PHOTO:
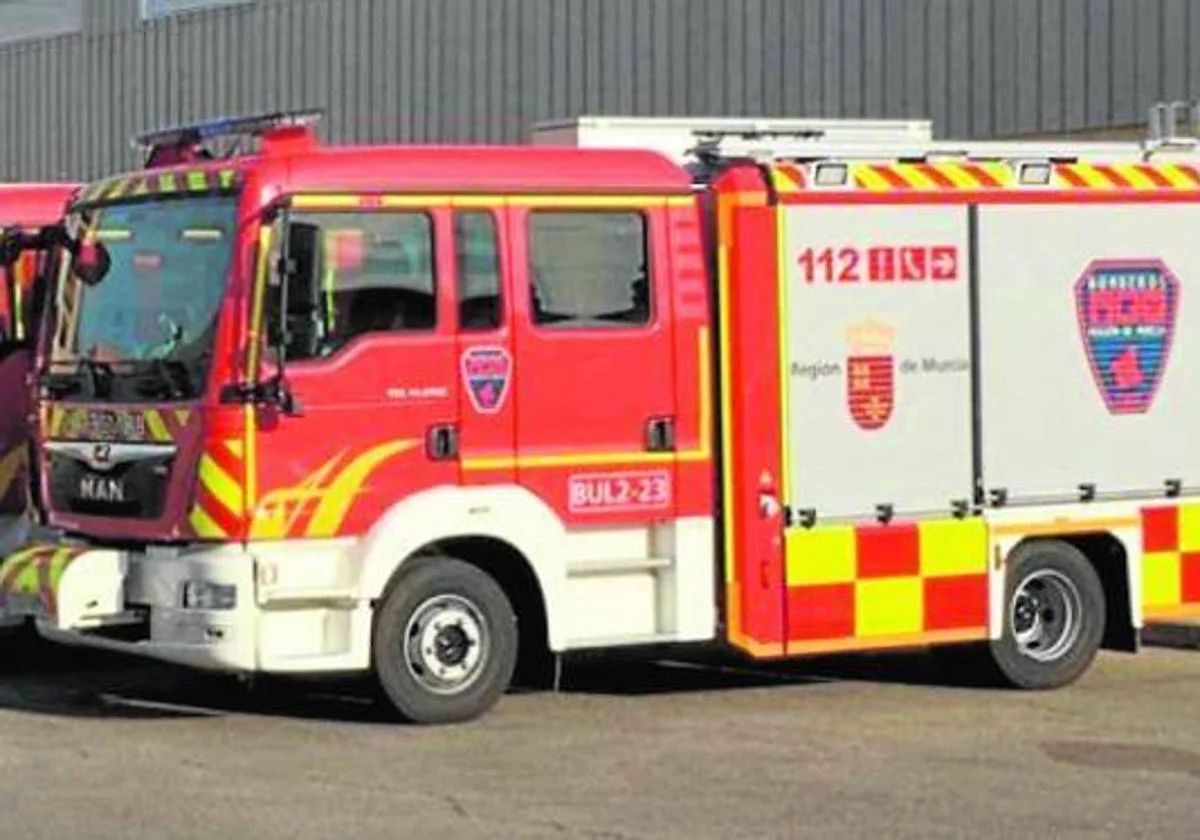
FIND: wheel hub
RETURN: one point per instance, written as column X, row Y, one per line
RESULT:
column 1046, row 615
column 446, row 644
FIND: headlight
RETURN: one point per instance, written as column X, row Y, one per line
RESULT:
column 203, row 595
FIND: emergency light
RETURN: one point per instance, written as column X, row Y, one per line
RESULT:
column 185, row 143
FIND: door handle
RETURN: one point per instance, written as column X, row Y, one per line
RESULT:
column 660, row 434
column 441, row 442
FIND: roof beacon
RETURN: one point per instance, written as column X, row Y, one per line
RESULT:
column 190, row 143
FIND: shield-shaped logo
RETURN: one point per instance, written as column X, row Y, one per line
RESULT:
column 486, row 373
column 1126, row 311
column 870, row 373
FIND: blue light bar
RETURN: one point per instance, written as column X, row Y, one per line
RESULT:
column 160, row 143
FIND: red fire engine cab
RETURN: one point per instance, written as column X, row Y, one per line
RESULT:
column 24, row 208
column 415, row 409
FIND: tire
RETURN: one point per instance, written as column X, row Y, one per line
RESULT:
column 444, row 643
column 1054, row 615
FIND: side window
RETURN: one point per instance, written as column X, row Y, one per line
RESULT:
column 589, row 269
column 353, row 274
column 477, row 258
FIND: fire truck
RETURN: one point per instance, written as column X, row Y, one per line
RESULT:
column 24, row 208
column 807, row 387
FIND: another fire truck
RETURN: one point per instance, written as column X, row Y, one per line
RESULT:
column 25, row 208
column 834, row 387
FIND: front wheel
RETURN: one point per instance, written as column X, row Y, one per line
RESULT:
column 445, row 642
column 1054, row 616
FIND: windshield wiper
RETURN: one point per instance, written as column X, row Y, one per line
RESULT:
column 97, row 372
column 59, row 385
column 171, row 379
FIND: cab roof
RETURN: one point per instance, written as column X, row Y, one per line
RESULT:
column 479, row 169
column 33, row 204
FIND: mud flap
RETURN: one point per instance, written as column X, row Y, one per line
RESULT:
column 64, row 587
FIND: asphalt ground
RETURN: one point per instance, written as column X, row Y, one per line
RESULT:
column 644, row 746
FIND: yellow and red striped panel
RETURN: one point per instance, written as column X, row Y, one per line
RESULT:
column 219, row 508
column 1127, row 176
column 788, row 178
column 35, row 573
column 1171, row 561
column 939, row 176
column 881, row 585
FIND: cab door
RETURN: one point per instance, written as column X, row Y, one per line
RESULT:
column 367, row 305
column 486, row 363
column 594, row 342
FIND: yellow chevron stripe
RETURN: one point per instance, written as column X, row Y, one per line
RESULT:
column 867, row 178
column 912, row 175
column 1173, row 173
column 203, row 524
column 224, row 487
column 157, row 427
column 1000, row 171
column 236, row 447
column 1135, row 175
column 784, row 181
column 961, row 178
column 1088, row 174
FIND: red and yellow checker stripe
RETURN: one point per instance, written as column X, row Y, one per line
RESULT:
column 1171, row 561
column 866, row 586
column 34, row 573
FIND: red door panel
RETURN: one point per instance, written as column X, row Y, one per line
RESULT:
column 364, row 437
column 587, row 394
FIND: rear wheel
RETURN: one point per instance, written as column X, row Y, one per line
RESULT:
column 1054, row 616
column 445, row 642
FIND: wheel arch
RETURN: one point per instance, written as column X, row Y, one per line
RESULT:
column 503, row 530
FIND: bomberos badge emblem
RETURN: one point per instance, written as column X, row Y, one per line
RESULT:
column 870, row 373
column 1126, row 311
column 487, row 372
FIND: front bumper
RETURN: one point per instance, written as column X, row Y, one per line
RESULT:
column 132, row 601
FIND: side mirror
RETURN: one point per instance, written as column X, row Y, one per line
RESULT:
column 91, row 261
column 10, row 248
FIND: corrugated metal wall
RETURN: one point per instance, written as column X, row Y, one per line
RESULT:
column 473, row 70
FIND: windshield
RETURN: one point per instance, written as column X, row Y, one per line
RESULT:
column 154, row 313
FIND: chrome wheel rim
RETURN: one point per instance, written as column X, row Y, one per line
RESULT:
column 1045, row 615
column 446, row 644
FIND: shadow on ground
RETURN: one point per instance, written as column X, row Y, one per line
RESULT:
column 42, row 678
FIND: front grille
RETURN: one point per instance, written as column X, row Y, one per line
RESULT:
column 132, row 490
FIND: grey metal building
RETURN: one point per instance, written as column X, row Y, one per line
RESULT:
column 485, row 70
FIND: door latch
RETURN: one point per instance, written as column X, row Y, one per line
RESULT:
column 660, row 434
column 441, row 442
